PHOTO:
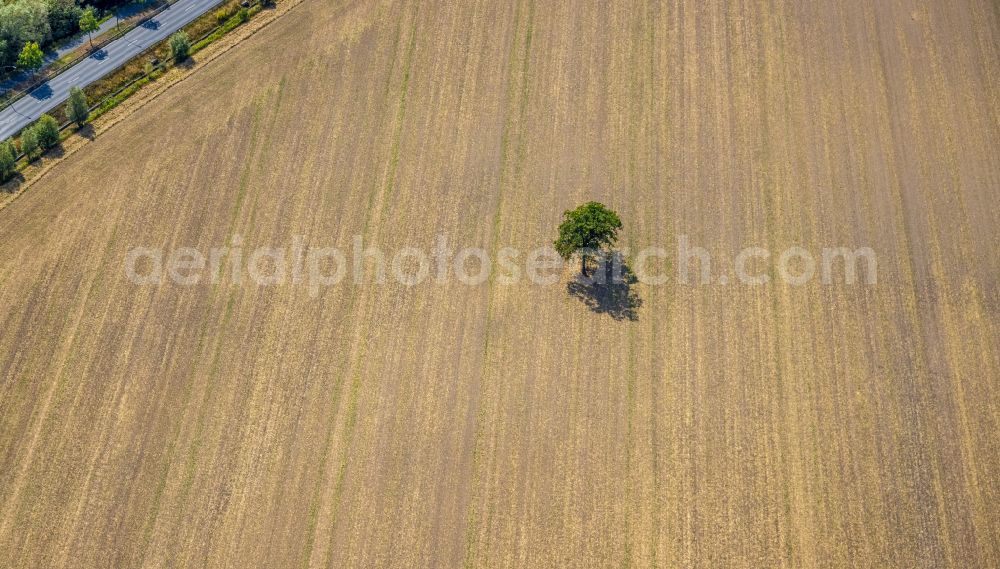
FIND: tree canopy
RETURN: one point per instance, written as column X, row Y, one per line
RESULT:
column 180, row 46
column 8, row 160
column 31, row 56
column 587, row 229
column 23, row 21
column 88, row 24
column 29, row 142
column 40, row 21
column 77, row 109
column 47, row 129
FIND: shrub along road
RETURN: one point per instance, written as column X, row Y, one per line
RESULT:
column 109, row 58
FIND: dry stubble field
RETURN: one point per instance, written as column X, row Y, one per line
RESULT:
column 509, row 425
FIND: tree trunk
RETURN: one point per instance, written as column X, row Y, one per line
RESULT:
column 583, row 264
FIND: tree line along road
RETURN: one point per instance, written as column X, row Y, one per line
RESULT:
column 55, row 91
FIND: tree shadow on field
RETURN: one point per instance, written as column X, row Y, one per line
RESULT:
column 12, row 185
column 87, row 131
column 608, row 289
column 55, row 152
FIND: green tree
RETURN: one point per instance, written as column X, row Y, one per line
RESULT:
column 180, row 46
column 64, row 17
column 586, row 230
column 8, row 160
column 20, row 22
column 47, row 131
column 88, row 24
column 31, row 57
column 29, row 142
column 77, row 109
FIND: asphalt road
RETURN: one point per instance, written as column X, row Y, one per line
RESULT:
column 112, row 56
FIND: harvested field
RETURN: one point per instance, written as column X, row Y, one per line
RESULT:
column 447, row 425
